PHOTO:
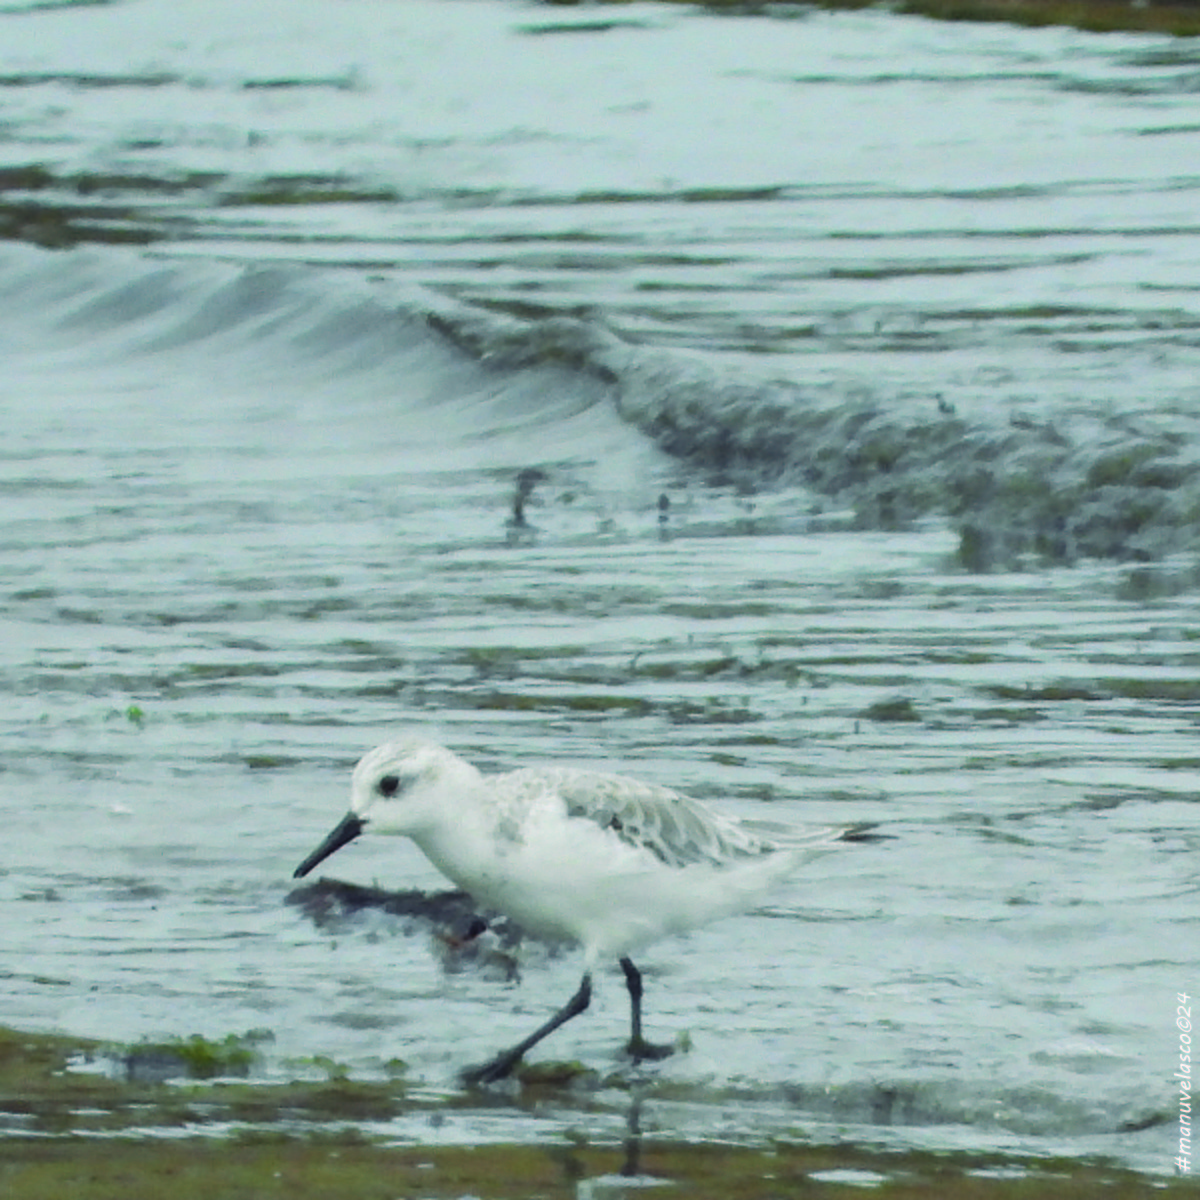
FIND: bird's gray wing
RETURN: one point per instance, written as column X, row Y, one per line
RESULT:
column 674, row 828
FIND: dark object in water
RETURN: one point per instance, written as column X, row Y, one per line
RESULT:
column 451, row 913
column 527, row 480
column 464, row 936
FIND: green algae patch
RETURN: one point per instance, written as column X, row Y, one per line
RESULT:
column 581, row 703
column 896, row 708
column 50, row 1084
column 29, row 1057
column 1172, row 691
column 37, row 1091
column 307, row 189
column 150, row 1170
column 1176, row 17
column 120, row 1140
column 551, row 1073
column 328, row 1167
column 197, row 1057
column 335, row 1100
column 61, row 226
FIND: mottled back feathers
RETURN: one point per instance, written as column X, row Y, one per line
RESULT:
column 675, row 829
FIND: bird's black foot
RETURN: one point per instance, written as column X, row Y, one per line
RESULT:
column 492, row 1071
column 641, row 1050
column 503, row 1065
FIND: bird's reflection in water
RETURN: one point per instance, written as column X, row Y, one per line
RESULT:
column 633, row 1137
column 628, row 1182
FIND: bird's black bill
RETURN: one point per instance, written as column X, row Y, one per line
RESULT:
column 350, row 826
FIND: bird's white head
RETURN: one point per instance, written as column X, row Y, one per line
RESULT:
column 400, row 787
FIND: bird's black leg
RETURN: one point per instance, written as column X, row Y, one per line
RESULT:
column 502, row 1065
column 638, row 1047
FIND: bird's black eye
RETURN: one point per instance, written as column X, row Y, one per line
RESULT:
column 389, row 785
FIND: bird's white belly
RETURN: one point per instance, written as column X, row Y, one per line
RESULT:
column 606, row 903
column 572, row 881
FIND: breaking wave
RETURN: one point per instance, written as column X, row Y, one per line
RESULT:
column 1055, row 487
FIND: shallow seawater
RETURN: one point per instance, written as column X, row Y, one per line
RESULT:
column 258, row 480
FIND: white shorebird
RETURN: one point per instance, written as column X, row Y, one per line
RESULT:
column 604, row 861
